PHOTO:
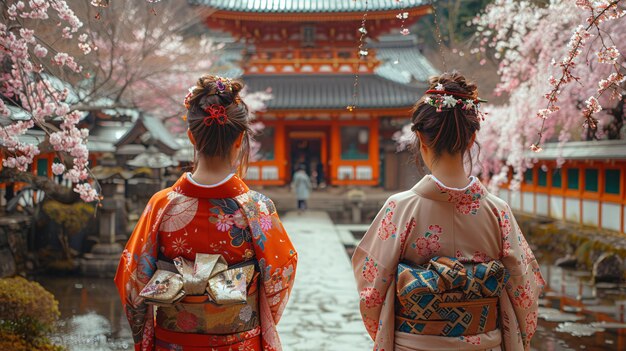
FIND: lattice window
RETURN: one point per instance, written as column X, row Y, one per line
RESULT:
column 308, row 36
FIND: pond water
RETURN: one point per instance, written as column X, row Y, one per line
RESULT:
column 578, row 315
column 575, row 315
column 92, row 318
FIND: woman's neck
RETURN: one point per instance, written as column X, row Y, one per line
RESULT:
column 450, row 171
column 211, row 170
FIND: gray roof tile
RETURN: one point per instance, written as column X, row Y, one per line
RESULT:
column 582, row 150
column 326, row 91
column 305, row 6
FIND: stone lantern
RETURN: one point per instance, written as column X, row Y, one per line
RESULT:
column 105, row 254
column 154, row 159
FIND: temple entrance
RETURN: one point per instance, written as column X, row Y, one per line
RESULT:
column 309, row 148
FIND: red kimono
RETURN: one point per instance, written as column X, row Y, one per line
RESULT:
column 227, row 219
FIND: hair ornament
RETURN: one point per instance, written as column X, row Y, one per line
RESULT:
column 223, row 84
column 442, row 99
column 215, row 114
column 187, row 101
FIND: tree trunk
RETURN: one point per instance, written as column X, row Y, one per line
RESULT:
column 53, row 190
column 614, row 128
column 65, row 245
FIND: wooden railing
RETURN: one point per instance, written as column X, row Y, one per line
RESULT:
column 297, row 58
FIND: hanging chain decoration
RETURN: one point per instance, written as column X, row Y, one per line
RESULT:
column 106, row 3
column 362, row 55
column 99, row 4
column 402, row 16
column 438, row 34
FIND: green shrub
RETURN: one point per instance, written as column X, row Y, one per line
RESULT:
column 27, row 313
column 14, row 342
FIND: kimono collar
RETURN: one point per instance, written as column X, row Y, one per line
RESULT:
column 431, row 188
column 230, row 188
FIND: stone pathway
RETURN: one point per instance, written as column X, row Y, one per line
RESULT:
column 323, row 312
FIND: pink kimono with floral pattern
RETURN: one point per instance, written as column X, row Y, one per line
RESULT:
column 433, row 220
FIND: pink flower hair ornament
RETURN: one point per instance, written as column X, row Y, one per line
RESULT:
column 442, row 99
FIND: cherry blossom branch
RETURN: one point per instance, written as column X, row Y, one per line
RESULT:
column 567, row 64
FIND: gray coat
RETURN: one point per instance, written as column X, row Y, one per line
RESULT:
column 301, row 184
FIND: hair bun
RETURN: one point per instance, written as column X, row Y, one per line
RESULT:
column 210, row 85
column 237, row 86
column 454, row 82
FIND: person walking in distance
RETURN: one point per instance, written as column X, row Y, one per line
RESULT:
column 301, row 184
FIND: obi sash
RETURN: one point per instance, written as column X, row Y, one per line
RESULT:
column 215, row 312
column 448, row 298
column 200, row 315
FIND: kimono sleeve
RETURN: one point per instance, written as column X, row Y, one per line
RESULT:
column 134, row 271
column 375, row 261
column 525, row 284
column 275, row 253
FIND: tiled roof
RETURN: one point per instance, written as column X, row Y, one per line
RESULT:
column 157, row 131
column 325, row 91
column 306, row 6
column 582, row 150
column 402, row 60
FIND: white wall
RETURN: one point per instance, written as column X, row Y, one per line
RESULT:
column 556, row 207
column 542, row 204
column 590, row 212
column 572, row 210
column 611, row 216
column 516, row 200
column 528, row 203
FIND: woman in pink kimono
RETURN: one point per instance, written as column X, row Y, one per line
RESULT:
column 450, row 221
column 209, row 212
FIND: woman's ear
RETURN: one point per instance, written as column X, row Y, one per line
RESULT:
column 191, row 138
column 423, row 146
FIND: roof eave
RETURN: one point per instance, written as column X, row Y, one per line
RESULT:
column 416, row 11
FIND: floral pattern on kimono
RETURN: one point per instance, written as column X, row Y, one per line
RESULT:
column 466, row 201
column 470, row 224
column 428, row 245
column 227, row 219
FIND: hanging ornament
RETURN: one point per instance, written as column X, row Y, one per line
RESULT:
column 362, row 53
column 100, row 3
column 402, row 16
column 438, row 34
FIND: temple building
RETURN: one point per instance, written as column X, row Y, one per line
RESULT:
column 306, row 52
column 588, row 189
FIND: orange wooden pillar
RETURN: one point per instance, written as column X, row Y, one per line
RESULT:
column 374, row 150
column 335, row 150
column 280, row 152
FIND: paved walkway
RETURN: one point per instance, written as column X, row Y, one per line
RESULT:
column 323, row 312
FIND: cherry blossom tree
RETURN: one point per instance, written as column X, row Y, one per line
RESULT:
column 561, row 67
column 25, row 87
column 561, row 71
column 64, row 58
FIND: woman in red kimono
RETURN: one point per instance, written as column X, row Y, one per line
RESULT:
column 210, row 211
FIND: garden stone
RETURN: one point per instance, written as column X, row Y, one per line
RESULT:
column 608, row 268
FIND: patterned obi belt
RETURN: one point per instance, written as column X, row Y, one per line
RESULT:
column 448, row 298
column 205, row 296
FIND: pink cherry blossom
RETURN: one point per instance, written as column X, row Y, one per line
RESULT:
column 58, row 168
